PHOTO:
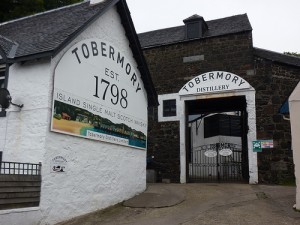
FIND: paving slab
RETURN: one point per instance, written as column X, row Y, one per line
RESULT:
column 157, row 196
column 197, row 204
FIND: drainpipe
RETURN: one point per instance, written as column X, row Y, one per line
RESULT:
column 285, row 118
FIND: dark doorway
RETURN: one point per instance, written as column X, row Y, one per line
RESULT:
column 217, row 149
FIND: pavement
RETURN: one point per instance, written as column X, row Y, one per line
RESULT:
column 197, row 204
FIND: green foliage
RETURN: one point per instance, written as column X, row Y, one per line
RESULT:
column 57, row 116
column 13, row 9
column 292, row 53
column 288, row 182
column 52, row 4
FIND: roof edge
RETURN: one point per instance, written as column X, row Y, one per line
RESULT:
column 195, row 39
column 244, row 14
column 277, row 57
column 137, row 52
column 40, row 13
column 82, row 28
column 69, row 39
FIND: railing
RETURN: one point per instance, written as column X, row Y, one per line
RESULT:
column 16, row 168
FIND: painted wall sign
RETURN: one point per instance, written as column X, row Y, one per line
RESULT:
column 216, row 81
column 58, row 164
column 267, row 144
column 225, row 152
column 98, row 94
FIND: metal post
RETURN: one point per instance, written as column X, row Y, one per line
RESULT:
column 218, row 171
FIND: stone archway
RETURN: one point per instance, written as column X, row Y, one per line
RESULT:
column 218, row 84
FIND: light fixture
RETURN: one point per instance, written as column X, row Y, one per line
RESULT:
column 5, row 101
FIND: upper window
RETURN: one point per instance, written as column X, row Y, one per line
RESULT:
column 2, row 76
column 169, row 108
column 193, row 30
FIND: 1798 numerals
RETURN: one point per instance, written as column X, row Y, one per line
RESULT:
column 117, row 95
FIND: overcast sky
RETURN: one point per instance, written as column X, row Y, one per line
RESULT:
column 275, row 23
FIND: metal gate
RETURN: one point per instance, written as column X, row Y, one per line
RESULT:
column 219, row 162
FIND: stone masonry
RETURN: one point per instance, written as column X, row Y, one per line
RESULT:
column 234, row 53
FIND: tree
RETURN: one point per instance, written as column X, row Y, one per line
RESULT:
column 13, row 9
column 53, row 4
column 292, row 53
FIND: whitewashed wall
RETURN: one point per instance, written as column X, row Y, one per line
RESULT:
column 98, row 174
column 25, row 130
column 294, row 107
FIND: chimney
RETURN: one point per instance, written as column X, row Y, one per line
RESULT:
column 195, row 27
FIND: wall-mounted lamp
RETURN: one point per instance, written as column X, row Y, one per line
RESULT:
column 5, row 101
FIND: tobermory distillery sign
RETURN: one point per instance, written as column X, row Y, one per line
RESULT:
column 98, row 94
column 216, row 81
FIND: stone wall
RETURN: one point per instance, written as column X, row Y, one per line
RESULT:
column 232, row 53
column 272, row 81
column 163, row 145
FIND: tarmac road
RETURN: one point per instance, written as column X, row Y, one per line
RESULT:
column 197, row 204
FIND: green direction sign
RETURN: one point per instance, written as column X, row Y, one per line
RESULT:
column 256, row 146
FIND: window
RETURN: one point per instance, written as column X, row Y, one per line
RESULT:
column 169, row 108
column 193, row 30
column 2, row 76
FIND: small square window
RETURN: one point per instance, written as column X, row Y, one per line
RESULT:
column 193, row 30
column 169, row 108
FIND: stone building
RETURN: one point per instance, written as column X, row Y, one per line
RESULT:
column 74, row 94
column 199, row 70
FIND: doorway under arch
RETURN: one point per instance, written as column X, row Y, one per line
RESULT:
column 230, row 159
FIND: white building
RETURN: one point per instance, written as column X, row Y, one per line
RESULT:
column 294, row 109
column 85, row 88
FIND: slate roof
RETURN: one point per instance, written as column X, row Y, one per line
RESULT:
column 277, row 57
column 45, row 34
column 218, row 27
column 8, row 46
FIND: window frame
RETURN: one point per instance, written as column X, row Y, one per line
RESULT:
column 168, row 108
column 161, row 99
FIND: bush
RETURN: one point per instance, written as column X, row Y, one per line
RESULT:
column 57, row 116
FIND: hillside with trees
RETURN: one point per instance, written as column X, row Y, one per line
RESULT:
column 13, row 9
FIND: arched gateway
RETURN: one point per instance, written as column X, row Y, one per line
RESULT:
column 217, row 126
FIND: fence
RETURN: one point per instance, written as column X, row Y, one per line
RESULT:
column 20, row 185
column 16, row 168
